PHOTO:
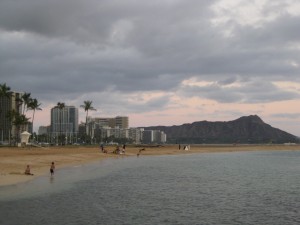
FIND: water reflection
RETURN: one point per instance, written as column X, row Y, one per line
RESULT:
column 225, row 188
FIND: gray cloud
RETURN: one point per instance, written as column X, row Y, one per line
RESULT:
column 108, row 51
column 248, row 91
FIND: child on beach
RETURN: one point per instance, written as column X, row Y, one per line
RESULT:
column 27, row 171
column 52, row 168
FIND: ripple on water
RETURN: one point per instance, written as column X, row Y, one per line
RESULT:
column 220, row 188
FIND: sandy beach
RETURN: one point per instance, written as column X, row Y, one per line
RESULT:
column 14, row 160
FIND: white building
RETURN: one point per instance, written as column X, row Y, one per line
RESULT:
column 136, row 134
column 154, row 136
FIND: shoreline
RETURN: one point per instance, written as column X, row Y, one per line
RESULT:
column 14, row 160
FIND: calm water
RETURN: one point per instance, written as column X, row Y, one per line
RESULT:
column 220, row 188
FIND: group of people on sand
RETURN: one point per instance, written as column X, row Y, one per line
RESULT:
column 120, row 151
column 28, row 172
column 185, row 147
column 116, row 151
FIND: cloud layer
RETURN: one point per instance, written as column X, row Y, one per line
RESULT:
column 134, row 57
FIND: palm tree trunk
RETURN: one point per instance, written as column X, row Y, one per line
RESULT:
column 86, row 117
column 32, row 123
column 60, row 124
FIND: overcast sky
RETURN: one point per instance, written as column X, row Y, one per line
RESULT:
column 160, row 62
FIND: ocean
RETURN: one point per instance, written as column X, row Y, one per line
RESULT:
column 213, row 188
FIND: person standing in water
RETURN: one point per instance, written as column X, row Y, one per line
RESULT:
column 52, row 168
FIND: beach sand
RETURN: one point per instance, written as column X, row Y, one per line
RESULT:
column 13, row 160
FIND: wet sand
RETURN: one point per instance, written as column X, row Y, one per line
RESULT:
column 13, row 160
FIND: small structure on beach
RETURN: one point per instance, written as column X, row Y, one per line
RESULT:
column 24, row 138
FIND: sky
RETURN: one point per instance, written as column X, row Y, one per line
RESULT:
column 159, row 62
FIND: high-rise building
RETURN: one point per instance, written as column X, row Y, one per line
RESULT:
column 64, row 121
column 8, row 104
column 135, row 134
column 148, row 136
column 154, row 136
column 121, row 122
column 102, row 122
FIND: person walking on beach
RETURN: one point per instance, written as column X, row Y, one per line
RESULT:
column 52, row 168
column 140, row 151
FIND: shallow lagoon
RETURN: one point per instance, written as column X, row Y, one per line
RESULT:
column 214, row 188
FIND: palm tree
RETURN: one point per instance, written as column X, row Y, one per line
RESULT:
column 87, row 105
column 60, row 106
column 19, row 121
column 4, row 90
column 25, row 100
column 34, row 105
column 10, row 116
column 4, row 93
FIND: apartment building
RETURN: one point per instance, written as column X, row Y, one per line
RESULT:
column 154, row 136
column 136, row 134
column 64, row 121
column 7, row 104
column 121, row 122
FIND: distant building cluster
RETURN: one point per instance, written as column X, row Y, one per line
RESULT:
column 64, row 123
column 118, row 127
column 99, row 129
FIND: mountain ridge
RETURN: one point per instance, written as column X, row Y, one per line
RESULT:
column 246, row 129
